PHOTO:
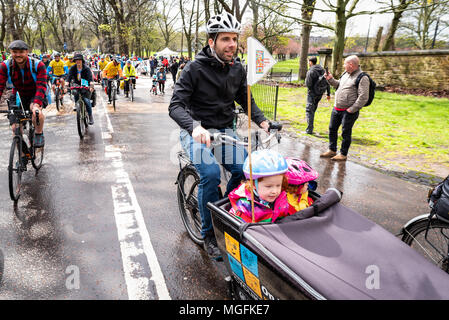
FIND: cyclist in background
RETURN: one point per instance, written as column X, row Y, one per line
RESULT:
column 129, row 71
column 78, row 72
column 29, row 79
column 58, row 69
column 203, row 99
column 112, row 72
column 101, row 65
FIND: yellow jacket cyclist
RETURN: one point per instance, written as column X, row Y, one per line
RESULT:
column 129, row 71
column 56, row 68
column 111, row 71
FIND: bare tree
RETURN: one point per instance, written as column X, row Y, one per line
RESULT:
column 188, row 22
column 422, row 22
column 235, row 8
column 307, row 8
column 398, row 7
column 343, row 10
column 166, row 20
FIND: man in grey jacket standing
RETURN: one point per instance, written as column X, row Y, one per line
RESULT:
column 348, row 101
column 314, row 94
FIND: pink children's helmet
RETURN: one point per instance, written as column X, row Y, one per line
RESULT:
column 299, row 172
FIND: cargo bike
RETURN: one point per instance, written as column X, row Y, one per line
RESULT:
column 327, row 251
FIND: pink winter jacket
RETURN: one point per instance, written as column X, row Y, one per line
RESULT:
column 241, row 206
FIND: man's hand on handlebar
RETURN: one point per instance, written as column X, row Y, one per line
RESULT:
column 265, row 125
column 201, row 135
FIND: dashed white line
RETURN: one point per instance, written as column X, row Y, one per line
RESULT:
column 140, row 263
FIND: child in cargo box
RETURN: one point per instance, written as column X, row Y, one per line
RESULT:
column 301, row 178
column 270, row 182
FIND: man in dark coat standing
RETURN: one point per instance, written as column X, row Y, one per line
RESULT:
column 313, row 94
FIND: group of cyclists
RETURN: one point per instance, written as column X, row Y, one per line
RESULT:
column 30, row 77
column 204, row 98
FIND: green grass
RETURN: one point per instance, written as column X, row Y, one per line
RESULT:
column 405, row 130
column 287, row 65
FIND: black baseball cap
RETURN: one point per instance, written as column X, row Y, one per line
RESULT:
column 18, row 45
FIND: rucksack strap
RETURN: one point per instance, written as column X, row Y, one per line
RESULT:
column 10, row 69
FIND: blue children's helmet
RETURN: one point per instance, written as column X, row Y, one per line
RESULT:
column 265, row 163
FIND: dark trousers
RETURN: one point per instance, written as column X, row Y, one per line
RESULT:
column 311, row 106
column 161, row 85
column 346, row 120
column 127, row 84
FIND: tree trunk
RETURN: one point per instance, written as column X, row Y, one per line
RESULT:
column 12, row 20
column 306, row 14
column 255, row 9
column 389, row 41
column 3, row 26
column 378, row 38
column 339, row 44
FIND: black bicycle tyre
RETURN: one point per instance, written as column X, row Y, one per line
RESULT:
column 79, row 121
column 131, row 91
column 57, row 100
column 85, row 116
column 413, row 236
column 15, row 170
column 38, row 154
column 114, row 97
column 188, row 206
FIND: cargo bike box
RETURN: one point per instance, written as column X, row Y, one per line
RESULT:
column 335, row 254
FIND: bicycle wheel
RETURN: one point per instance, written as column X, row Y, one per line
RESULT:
column 38, row 156
column 79, row 120
column 85, row 116
column 57, row 99
column 131, row 91
column 114, row 97
column 15, row 169
column 435, row 246
column 188, row 203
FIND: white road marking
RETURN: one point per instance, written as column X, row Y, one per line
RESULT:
column 135, row 241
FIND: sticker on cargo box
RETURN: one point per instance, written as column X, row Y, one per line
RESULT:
column 236, row 267
column 249, row 260
column 252, row 281
column 232, row 246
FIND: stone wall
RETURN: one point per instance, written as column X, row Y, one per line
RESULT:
column 419, row 69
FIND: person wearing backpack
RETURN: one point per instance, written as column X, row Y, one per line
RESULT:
column 317, row 85
column 28, row 77
column 352, row 94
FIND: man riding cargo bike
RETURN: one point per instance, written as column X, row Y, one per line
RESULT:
column 204, row 99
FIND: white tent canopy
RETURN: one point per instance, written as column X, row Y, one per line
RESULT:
column 167, row 52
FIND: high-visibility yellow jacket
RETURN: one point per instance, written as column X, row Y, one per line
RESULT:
column 129, row 71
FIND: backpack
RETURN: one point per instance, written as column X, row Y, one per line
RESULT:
column 33, row 67
column 439, row 199
column 320, row 86
column 372, row 87
column 9, row 69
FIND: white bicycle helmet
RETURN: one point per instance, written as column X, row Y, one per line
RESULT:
column 224, row 22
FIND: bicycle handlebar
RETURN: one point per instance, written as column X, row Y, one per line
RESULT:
column 79, row 88
column 220, row 137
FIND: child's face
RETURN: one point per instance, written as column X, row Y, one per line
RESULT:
column 304, row 188
column 270, row 188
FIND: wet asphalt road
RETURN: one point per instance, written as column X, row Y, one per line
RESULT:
column 100, row 220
